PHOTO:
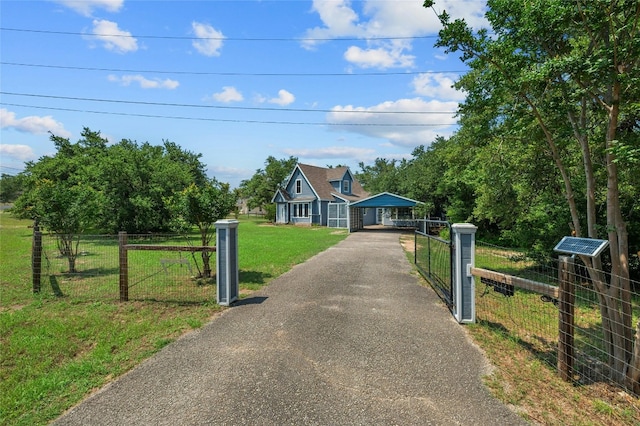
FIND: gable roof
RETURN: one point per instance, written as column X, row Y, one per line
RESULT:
column 320, row 179
column 280, row 195
column 386, row 199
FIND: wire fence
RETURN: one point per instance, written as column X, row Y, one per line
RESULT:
column 433, row 259
column 87, row 267
column 533, row 319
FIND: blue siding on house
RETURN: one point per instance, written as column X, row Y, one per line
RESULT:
column 279, row 198
column 306, row 190
column 306, row 201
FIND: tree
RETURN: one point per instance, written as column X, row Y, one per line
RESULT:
column 59, row 194
column 202, row 206
column 570, row 68
column 64, row 210
column 92, row 184
column 136, row 178
column 10, row 187
column 382, row 176
column 259, row 190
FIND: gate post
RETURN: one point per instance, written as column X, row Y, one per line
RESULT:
column 227, row 261
column 464, row 300
column 566, row 275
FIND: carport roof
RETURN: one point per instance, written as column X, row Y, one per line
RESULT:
column 386, row 199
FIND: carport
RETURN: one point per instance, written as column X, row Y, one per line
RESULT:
column 385, row 209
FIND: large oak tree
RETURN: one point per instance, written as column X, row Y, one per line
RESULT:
column 571, row 69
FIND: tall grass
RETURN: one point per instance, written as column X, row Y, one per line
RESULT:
column 55, row 350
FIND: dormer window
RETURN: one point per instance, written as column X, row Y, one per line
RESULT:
column 346, row 187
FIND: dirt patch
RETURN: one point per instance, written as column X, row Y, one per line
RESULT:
column 407, row 242
column 12, row 308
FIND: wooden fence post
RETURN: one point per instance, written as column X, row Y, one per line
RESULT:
column 124, row 266
column 36, row 258
column 566, row 303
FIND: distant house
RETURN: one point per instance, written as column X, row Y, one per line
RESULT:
column 243, row 208
column 333, row 197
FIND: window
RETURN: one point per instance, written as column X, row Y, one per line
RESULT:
column 346, row 187
column 298, row 186
column 404, row 213
column 301, row 210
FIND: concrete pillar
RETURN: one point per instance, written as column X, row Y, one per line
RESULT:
column 464, row 241
column 227, row 276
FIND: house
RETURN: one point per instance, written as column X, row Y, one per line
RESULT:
column 333, row 197
column 243, row 208
column 317, row 196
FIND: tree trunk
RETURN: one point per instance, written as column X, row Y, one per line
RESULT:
column 204, row 240
column 633, row 373
column 620, row 287
column 67, row 249
column 206, row 268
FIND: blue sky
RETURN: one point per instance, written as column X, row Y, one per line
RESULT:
column 330, row 82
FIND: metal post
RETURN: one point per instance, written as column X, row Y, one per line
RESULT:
column 124, row 266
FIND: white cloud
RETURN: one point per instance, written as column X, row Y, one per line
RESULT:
column 438, row 85
column 144, row 82
column 209, row 40
column 86, row 7
column 284, row 98
column 381, row 57
column 32, row 124
column 339, row 18
column 385, row 18
column 388, row 18
column 228, row 94
column 331, row 152
column 112, row 37
column 17, row 152
column 405, row 122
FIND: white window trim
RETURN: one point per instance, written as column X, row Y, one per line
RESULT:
column 298, row 186
column 298, row 209
column 346, row 187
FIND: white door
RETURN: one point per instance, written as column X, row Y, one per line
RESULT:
column 282, row 213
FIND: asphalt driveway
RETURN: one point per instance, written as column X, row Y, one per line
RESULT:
column 347, row 338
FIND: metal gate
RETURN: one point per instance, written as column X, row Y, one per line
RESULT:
column 433, row 257
column 338, row 215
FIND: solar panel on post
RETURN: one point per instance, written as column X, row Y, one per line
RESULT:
column 581, row 246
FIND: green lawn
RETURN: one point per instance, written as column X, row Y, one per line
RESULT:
column 56, row 350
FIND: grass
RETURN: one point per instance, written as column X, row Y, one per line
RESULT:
column 54, row 351
column 519, row 334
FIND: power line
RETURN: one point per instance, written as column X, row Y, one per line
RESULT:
column 295, row 39
column 240, row 74
column 71, row 98
column 232, row 120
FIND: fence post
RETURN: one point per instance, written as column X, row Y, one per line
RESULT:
column 124, row 266
column 463, row 239
column 566, row 274
column 227, row 273
column 36, row 258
